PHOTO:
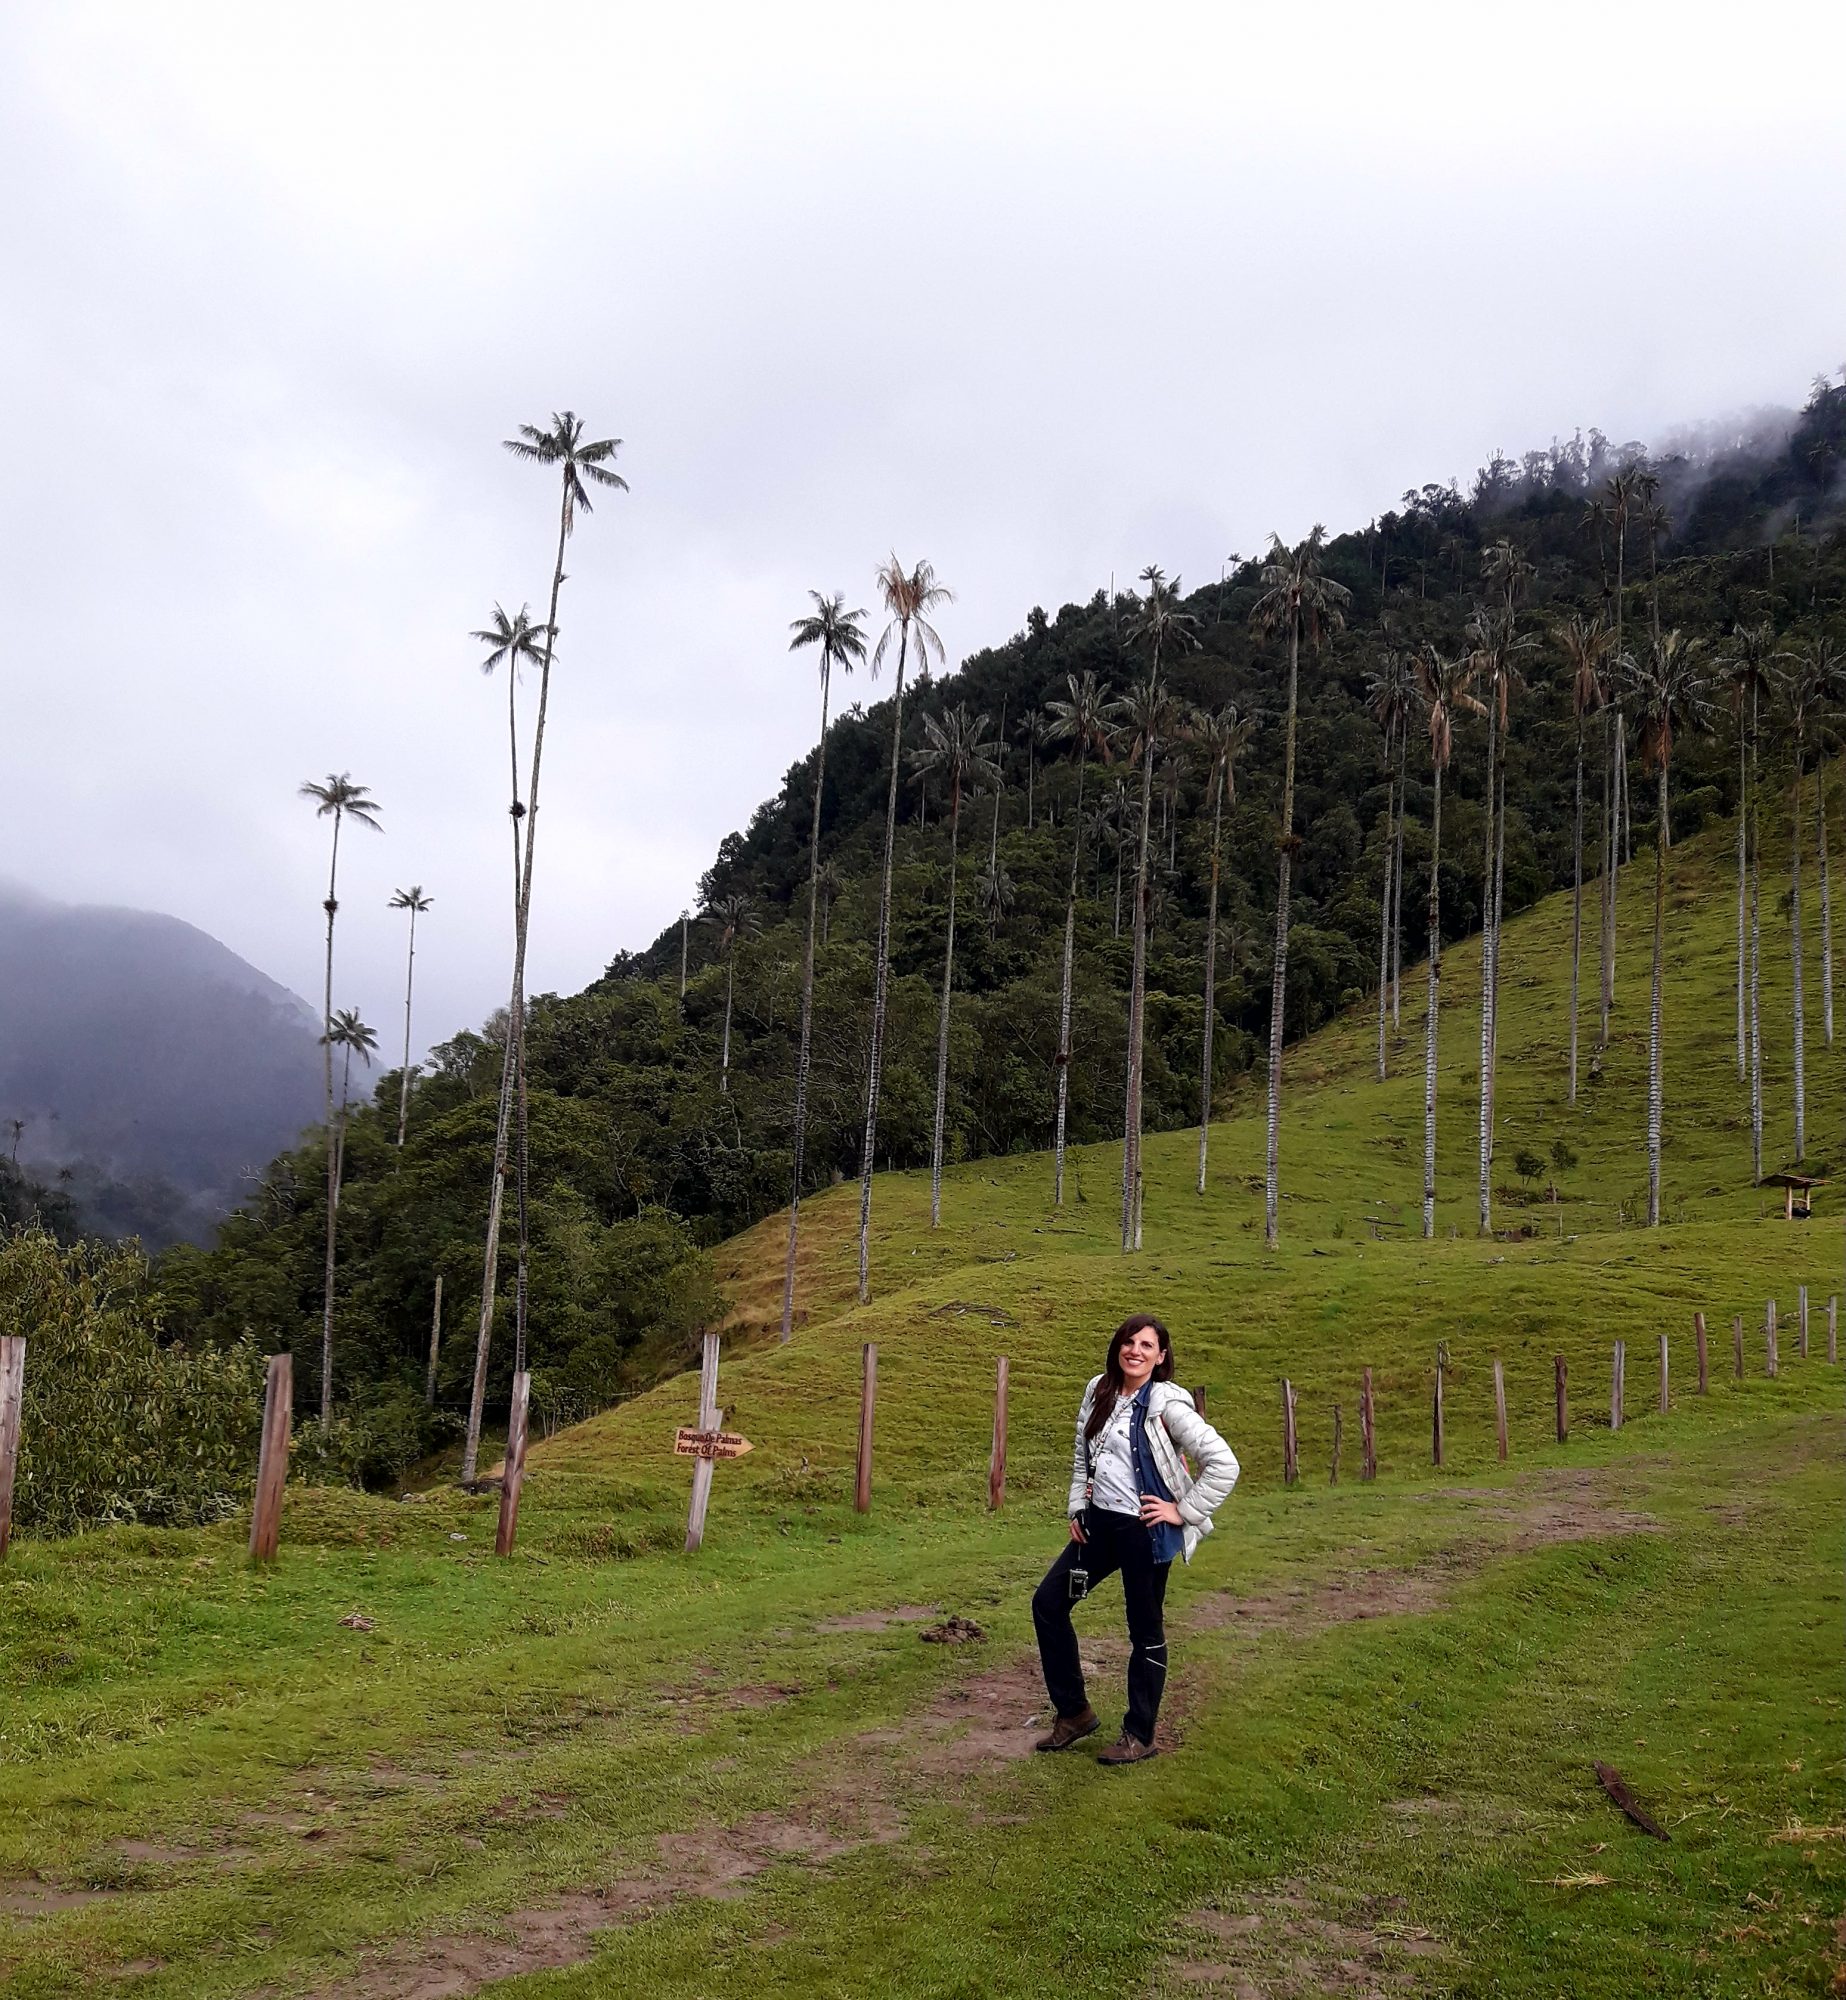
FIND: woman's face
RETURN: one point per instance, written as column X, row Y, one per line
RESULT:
column 1139, row 1356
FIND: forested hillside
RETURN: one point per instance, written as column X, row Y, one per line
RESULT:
column 646, row 1143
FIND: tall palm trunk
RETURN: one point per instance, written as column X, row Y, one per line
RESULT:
column 1614, row 791
column 1499, row 942
column 1131, row 1118
column 403, row 1094
column 942, row 1024
column 1576, row 907
column 881, row 979
column 1756, row 964
column 1435, row 994
column 1384, row 930
column 1070, row 945
column 1120, row 847
column 1743, row 894
column 1606, row 933
column 1485, row 1224
column 1801, row 1094
column 804, row 1055
column 1211, row 972
column 730, row 985
column 1278, row 985
column 1397, row 893
column 1826, row 899
column 513, row 1063
column 333, row 1164
column 1654, row 1049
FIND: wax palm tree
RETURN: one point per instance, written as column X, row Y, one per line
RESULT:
column 1810, row 674
column 416, row 903
column 1747, row 677
column 339, row 800
column 344, row 1031
column 828, row 882
column 1668, row 690
column 581, row 463
column 959, row 750
column 839, row 634
column 1586, row 644
column 1147, row 715
column 1036, row 727
column 1221, row 735
column 1080, row 719
column 512, row 643
column 1391, row 695
column 995, row 892
column 1300, row 602
column 733, row 917
column 1445, row 686
column 1622, row 502
column 909, row 596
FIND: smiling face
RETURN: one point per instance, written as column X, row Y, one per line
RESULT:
column 1139, row 1356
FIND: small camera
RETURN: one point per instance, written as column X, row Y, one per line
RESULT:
column 1079, row 1584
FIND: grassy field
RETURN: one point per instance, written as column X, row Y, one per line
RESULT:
column 390, row 1766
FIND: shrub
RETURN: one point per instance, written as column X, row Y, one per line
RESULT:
column 119, row 1425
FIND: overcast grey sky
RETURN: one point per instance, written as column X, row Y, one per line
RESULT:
column 1035, row 292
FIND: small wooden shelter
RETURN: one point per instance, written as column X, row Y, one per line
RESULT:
column 1798, row 1193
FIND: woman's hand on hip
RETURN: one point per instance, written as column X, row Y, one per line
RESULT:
column 1160, row 1513
column 1076, row 1529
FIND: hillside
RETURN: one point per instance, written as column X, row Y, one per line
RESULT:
column 634, row 1132
column 391, row 1767
column 147, row 1066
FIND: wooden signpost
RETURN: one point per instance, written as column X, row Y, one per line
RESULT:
column 1618, row 1372
column 868, row 1399
column 996, row 1458
column 1368, row 1443
column 1560, row 1375
column 706, row 1444
column 1290, row 1461
column 272, row 1461
column 513, row 1473
column 1499, row 1406
column 12, row 1402
column 1698, row 1340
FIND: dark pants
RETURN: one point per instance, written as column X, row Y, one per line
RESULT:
column 1117, row 1541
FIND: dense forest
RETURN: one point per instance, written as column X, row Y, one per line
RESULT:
column 661, row 1098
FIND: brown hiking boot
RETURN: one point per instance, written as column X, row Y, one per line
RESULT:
column 1069, row 1729
column 1127, row 1750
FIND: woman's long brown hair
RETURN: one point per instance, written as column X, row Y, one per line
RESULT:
column 1112, row 1384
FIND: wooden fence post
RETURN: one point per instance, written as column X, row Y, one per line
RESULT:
column 1801, row 1321
column 996, row 1462
column 1737, row 1343
column 1769, row 1332
column 708, row 1421
column 1368, row 1441
column 868, row 1397
column 1290, row 1467
column 272, row 1460
column 513, row 1470
column 1499, row 1406
column 435, row 1345
column 1339, row 1426
column 12, row 1403
column 1435, row 1431
column 1618, row 1370
column 1666, row 1402
column 1560, row 1375
column 1198, row 1400
column 1698, row 1340
column 1833, row 1329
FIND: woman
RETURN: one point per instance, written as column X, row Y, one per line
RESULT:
column 1134, row 1506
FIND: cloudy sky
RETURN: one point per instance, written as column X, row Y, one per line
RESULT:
column 1038, row 292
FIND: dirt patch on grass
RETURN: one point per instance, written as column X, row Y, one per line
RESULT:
column 1289, row 1943
column 27, row 1896
column 718, row 1863
column 879, row 1621
column 1364, row 1594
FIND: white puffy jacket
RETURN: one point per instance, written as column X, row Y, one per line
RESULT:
column 1173, row 1426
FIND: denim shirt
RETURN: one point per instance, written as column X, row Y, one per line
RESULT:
column 1169, row 1541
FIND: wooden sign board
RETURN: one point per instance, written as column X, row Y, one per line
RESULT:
column 709, row 1444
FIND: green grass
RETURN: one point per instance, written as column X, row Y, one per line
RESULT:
column 253, row 1798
